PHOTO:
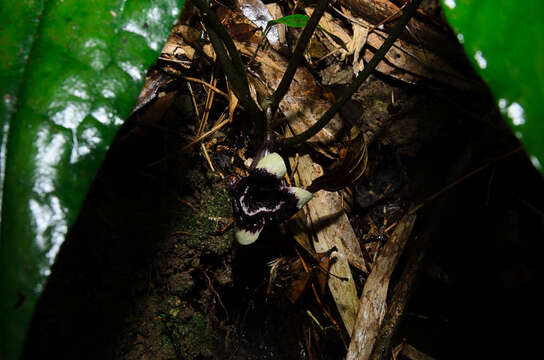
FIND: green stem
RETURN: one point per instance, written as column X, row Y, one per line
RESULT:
column 231, row 64
column 238, row 83
column 295, row 60
column 213, row 21
column 410, row 10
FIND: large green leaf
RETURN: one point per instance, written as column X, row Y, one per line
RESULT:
column 70, row 72
column 505, row 41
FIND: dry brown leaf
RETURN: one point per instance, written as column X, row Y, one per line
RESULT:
column 303, row 104
column 357, row 42
column 406, row 61
column 355, row 46
column 325, row 215
column 348, row 169
column 258, row 13
column 407, row 58
column 242, row 32
column 188, row 40
column 332, row 25
column 233, row 102
column 430, row 33
column 413, row 60
column 276, row 12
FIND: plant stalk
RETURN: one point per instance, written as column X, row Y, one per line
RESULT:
column 410, row 10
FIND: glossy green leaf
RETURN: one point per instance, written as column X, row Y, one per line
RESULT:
column 505, row 41
column 70, row 72
column 295, row 20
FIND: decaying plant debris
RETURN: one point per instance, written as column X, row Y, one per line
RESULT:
column 402, row 137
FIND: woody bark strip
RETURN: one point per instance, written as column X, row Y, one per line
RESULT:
column 372, row 305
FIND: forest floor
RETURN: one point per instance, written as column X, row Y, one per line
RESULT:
column 151, row 270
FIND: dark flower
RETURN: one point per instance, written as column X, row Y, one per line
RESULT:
column 262, row 197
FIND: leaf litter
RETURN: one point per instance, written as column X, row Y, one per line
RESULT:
column 350, row 236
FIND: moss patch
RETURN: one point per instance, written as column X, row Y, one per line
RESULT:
column 201, row 225
column 195, row 339
column 186, row 330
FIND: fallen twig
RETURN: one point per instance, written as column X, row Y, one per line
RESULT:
column 414, row 354
column 399, row 298
column 189, row 78
column 223, row 120
column 372, row 305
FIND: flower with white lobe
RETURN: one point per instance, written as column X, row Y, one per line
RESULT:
column 262, row 197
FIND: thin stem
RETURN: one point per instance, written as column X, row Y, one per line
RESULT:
column 261, row 41
column 231, row 64
column 295, row 60
column 340, row 101
column 213, row 21
column 238, row 83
